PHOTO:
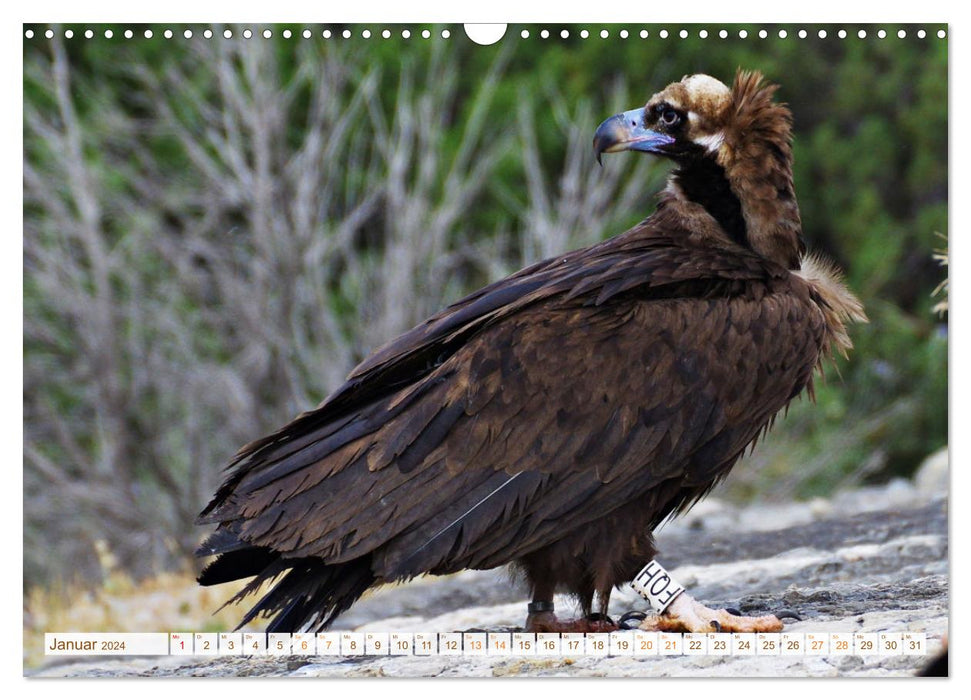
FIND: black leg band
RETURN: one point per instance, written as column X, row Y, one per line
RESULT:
column 540, row 606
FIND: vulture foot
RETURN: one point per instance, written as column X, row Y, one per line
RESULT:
column 685, row 614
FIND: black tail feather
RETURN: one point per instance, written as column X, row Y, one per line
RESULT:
column 236, row 559
column 221, row 541
column 311, row 595
column 237, row 564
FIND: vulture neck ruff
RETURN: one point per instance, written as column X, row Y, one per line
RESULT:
column 757, row 158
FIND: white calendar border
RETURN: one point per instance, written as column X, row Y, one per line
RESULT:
column 494, row 645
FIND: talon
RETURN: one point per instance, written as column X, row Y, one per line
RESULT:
column 631, row 615
column 788, row 613
column 717, row 625
column 734, row 611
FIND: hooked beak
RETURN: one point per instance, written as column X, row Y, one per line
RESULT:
column 626, row 132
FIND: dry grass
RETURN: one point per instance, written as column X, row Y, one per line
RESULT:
column 170, row 602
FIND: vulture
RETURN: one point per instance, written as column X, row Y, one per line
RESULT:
column 553, row 419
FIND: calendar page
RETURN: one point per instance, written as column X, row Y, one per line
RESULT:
column 427, row 349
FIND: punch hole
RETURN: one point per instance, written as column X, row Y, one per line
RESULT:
column 247, row 34
column 941, row 34
column 366, row 34
column 267, row 34
column 763, row 34
column 109, row 34
column 564, row 34
column 881, row 34
column 683, row 34
column 425, row 34
column 405, row 34
column 187, row 33
column 346, row 34
column 68, row 33
column 545, row 34
column 149, row 34
column 88, row 34
column 326, row 34
column 901, row 34
column 803, row 34
column 703, row 34
column 287, row 34
column 207, row 34
column 861, row 33
column 524, row 34
column 485, row 34
column 584, row 33
column 663, row 34
column 604, row 34
column 624, row 34
column 821, row 34
column 446, row 34
column 841, row 33
column 643, row 34
column 49, row 33
column 386, row 34
column 167, row 33
column 742, row 34
column 921, row 33
column 783, row 34
column 129, row 34
column 723, row 34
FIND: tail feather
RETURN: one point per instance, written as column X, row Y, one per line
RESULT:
column 237, row 564
column 221, row 541
column 309, row 596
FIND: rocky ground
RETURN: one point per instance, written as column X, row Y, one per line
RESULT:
column 870, row 560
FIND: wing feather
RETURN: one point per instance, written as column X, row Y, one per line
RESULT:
column 477, row 435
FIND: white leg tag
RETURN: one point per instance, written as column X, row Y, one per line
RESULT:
column 656, row 586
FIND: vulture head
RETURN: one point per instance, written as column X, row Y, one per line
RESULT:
column 684, row 122
column 733, row 151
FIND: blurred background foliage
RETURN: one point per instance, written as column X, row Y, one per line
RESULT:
column 217, row 230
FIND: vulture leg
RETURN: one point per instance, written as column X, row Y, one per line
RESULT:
column 685, row 614
column 541, row 618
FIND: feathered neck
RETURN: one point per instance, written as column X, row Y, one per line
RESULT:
column 757, row 159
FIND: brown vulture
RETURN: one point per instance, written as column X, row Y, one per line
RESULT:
column 554, row 418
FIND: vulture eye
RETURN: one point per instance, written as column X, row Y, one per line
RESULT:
column 670, row 118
